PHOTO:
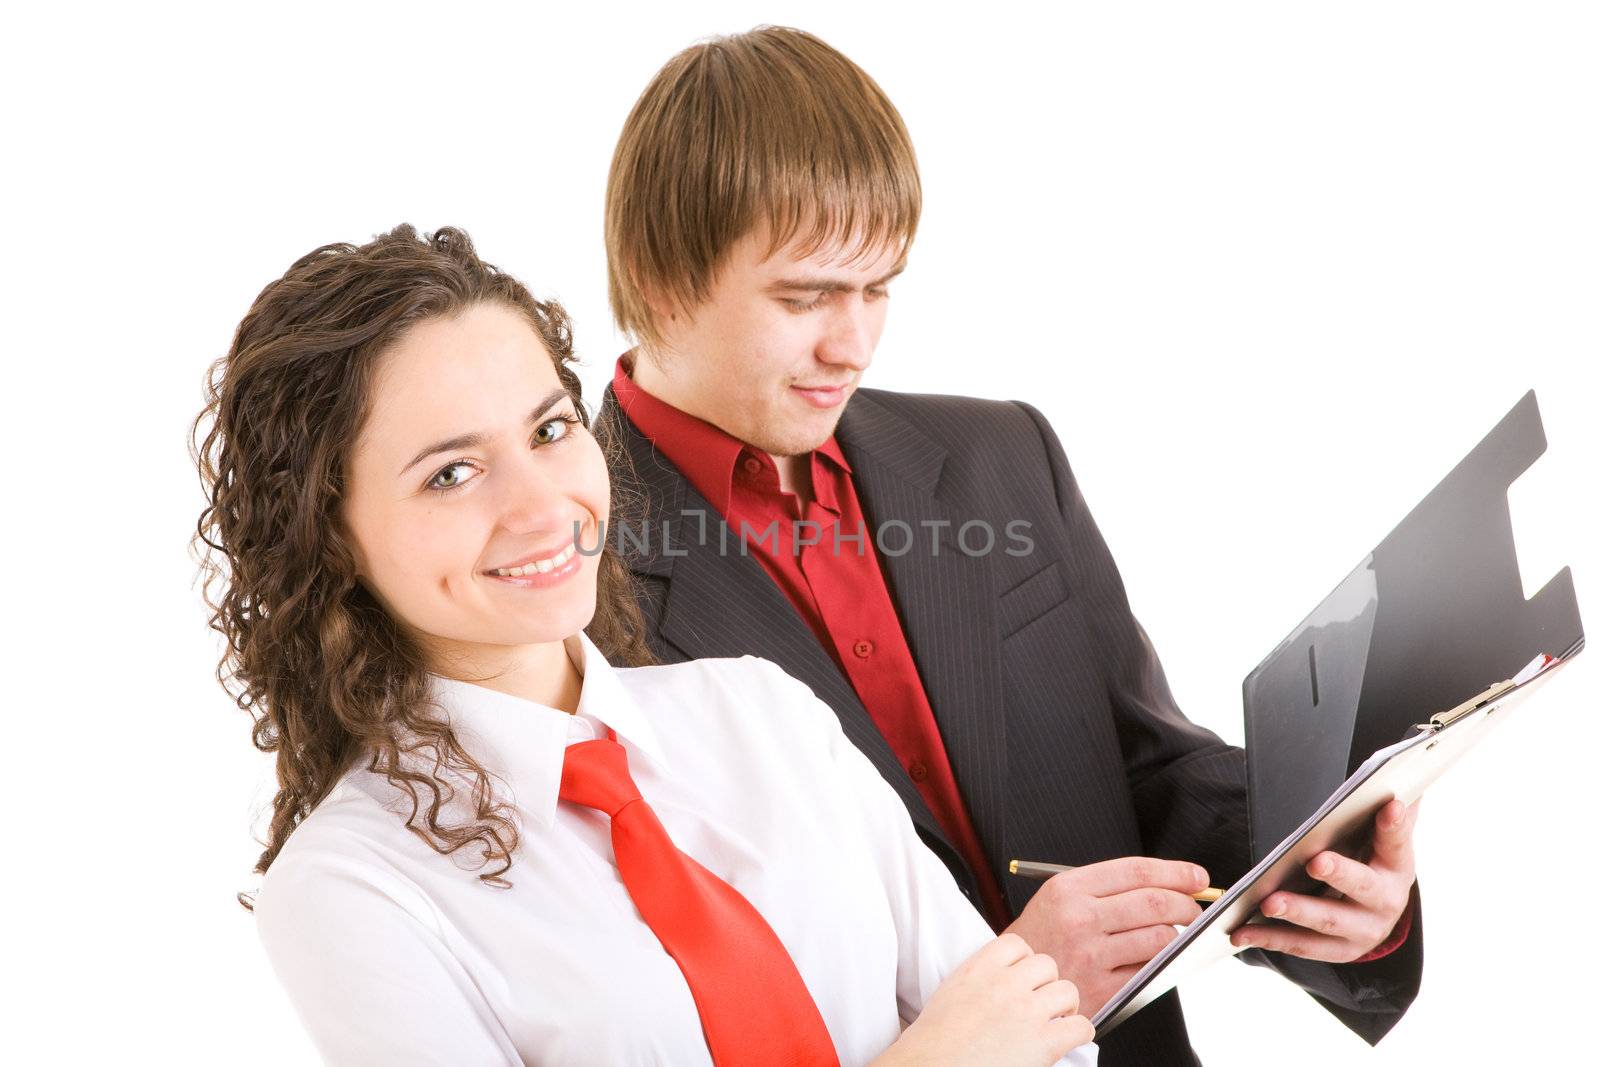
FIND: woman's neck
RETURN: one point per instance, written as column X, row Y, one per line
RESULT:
column 545, row 673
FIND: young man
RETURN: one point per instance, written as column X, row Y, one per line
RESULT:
column 926, row 564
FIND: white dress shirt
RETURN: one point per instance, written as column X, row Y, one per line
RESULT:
column 392, row 953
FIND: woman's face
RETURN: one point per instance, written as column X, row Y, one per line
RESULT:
column 471, row 467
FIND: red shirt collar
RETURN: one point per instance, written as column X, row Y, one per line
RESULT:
column 706, row 455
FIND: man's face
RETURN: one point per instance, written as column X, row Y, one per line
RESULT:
column 780, row 343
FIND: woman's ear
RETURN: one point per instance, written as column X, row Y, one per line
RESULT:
column 358, row 563
column 349, row 546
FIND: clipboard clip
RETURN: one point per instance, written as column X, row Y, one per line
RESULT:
column 1471, row 704
column 1534, row 669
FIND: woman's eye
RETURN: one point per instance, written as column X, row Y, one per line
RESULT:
column 450, row 477
column 554, row 430
column 461, row 472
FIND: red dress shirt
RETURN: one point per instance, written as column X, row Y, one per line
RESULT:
column 822, row 557
column 824, row 560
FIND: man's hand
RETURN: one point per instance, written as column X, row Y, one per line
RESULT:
column 1102, row 922
column 1366, row 903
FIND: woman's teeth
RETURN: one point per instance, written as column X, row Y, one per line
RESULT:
column 549, row 563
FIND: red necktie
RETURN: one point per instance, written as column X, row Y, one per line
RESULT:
column 754, row 1006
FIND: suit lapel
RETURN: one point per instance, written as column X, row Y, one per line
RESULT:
column 723, row 603
column 946, row 600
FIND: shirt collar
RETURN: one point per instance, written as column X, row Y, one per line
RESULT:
column 524, row 742
column 705, row 454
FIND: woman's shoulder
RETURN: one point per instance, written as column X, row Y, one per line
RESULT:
column 352, row 843
column 741, row 674
column 691, row 671
column 728, row 689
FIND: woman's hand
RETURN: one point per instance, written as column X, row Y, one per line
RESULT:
column 1003, row 1006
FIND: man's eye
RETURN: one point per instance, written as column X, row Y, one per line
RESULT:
column 803, row 305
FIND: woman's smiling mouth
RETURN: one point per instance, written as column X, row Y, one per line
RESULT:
column 542, row 570
column 544, row 565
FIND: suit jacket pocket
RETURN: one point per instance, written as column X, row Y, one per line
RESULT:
column 1031, row 598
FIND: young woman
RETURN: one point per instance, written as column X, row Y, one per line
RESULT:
column 501, row 835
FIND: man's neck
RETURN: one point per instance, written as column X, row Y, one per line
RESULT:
column 794, row 472
column 794, row 476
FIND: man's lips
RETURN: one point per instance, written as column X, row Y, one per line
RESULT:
column 823, row 396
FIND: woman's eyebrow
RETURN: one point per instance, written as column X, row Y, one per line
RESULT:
column 475, row 439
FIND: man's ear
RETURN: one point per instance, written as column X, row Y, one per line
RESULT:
column 662, row 306
column 668, row 316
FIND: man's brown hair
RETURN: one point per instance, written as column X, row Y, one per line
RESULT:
column 771, row 126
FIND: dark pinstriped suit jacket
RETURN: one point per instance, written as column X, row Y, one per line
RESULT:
column 1065, row 739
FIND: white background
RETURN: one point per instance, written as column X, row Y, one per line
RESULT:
column 1270, row 269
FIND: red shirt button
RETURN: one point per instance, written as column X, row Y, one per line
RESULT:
column 919, row 770
column 833, row 589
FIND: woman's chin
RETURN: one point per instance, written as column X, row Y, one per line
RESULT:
column 514, row 621
column 546, row 621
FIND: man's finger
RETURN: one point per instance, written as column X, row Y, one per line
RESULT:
column 1357, row 881
column 1332, row 918
column 1134, row 947
column 1118, row 978
column 1391, row 835
column 1146, row 907
column 1110, row 877
column 1295, row 942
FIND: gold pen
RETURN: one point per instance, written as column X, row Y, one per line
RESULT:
column 1041, row 871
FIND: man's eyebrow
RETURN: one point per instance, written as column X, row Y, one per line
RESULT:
column 829, row 285
column 474, row 440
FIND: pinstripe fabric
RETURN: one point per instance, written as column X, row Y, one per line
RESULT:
column 1063, row 734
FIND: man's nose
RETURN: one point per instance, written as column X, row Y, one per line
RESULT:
column 851, row 337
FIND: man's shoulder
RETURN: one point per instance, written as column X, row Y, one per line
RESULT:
column 934, row 410
column 1008, row 440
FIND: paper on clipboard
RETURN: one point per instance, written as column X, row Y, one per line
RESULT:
column 1402, row 771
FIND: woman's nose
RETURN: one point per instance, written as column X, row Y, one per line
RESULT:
column 532, row 502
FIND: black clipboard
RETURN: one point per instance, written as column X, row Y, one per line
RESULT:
column 1428, row 621
column 1400, row 771
column 1433, row 615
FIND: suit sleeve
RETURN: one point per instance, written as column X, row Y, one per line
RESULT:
column 1188, row 786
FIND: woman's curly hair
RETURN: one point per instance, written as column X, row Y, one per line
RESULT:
column 327, row 675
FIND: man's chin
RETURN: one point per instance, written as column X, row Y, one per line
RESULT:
column 802, row 428
column 798, row 439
